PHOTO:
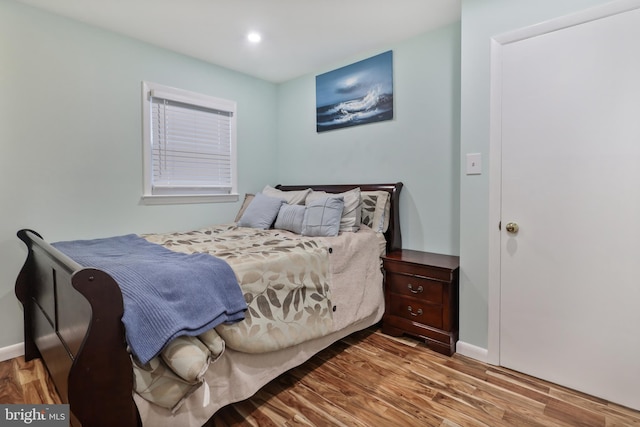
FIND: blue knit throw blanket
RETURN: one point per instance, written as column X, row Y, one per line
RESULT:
column 166, row 294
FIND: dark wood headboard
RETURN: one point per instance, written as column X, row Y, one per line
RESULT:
column 393, row 234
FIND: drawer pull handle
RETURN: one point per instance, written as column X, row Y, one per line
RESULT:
column 415, row 291
column 417, row 313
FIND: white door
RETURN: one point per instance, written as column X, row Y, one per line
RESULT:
column 570, row 277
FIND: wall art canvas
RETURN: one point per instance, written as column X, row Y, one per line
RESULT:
column 357, row 94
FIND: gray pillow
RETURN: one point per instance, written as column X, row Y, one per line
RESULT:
column 290, row 218
column 322, row 217
column 247, row 199
column 261, row 212
column 351, row 211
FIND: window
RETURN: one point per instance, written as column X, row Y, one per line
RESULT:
column 189, row 144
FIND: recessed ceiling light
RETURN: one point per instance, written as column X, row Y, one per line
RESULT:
column 254, row 37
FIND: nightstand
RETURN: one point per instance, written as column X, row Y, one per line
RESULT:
column 421, row 297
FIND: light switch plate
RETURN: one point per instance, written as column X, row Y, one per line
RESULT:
column 474, row 163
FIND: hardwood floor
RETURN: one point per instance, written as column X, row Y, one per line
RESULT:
column 26, row 382
column 370, row 379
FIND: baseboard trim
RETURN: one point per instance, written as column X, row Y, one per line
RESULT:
column 11, row 351
column 472, row 351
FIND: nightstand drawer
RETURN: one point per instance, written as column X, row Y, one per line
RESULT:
column 416, row 311
column 414, row 286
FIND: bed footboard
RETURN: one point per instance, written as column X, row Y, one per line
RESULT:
column 72, row 320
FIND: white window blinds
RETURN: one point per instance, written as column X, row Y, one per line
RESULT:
column 192, row 143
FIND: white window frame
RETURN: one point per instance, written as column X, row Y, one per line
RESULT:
column 168, row 195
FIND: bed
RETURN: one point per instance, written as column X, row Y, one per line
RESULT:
column 73, row 315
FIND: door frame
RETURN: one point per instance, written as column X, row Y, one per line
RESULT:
column 495, row 147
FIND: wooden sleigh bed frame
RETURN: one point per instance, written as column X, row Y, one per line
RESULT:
column 72, row 320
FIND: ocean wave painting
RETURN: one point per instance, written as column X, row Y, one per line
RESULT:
column 357, row 94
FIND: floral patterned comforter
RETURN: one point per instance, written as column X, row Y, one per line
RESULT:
column 285, row 279
column 297, row 289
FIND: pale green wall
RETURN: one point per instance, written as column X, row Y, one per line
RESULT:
column 482, row 19
column 70, row 136
column 419, row 147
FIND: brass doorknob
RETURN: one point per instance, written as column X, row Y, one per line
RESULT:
column 512, row 227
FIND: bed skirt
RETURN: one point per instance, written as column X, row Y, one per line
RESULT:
column 248, row 373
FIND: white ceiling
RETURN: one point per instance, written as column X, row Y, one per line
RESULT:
column 298, row 36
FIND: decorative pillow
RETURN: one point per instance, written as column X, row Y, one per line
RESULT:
column 247, row 199
column 291, row 197
column 290, row 218
column 352, row 210
column 188, row 357
column 157, row 383
column 214, row 343
column 261, row 212
column 322, row 217
column 386, row 215
column 376, row 210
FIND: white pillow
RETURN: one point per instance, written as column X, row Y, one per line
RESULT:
column 376, row 208
column 291, row 197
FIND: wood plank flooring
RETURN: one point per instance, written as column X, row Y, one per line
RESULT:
column 370, row 379
column 26, row 382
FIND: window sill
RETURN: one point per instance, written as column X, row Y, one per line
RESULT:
column 148, row 199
